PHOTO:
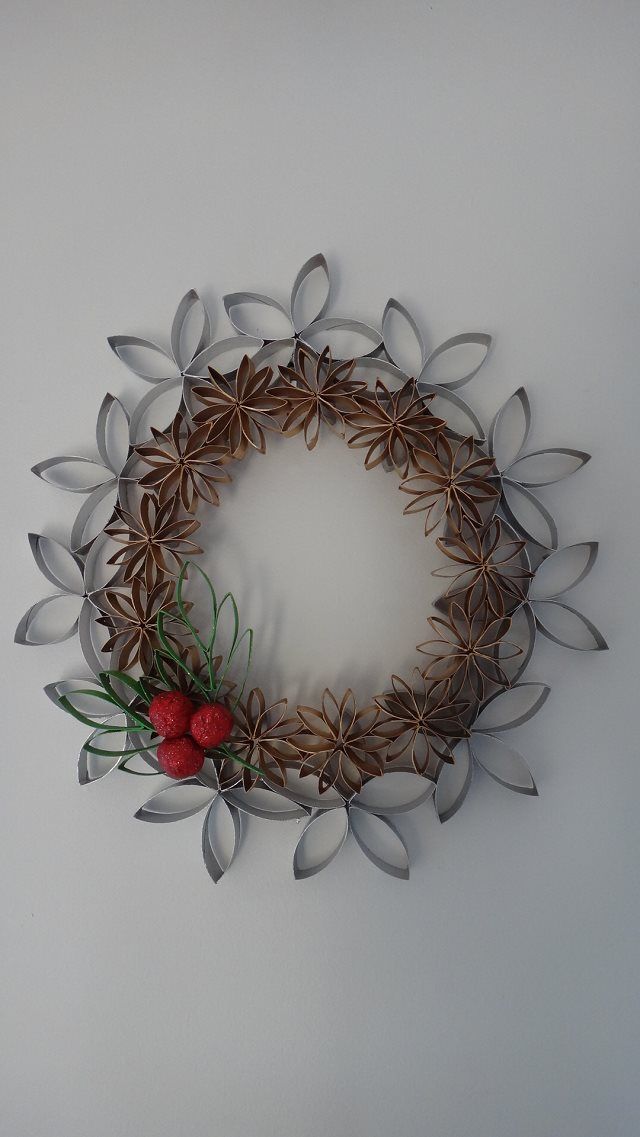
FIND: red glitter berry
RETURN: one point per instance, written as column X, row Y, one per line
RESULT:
column 210, row 725
column 180, row 757
column 169, row 713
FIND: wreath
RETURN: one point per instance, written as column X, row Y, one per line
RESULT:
column 169, row 695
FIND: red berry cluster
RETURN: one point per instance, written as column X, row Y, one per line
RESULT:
column 187, row 731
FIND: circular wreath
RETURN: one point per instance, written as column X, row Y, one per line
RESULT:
column 174, row 698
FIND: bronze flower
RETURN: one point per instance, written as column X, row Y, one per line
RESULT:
column 393, row 424
column 450, row 481
column 263, row 736
column 466, row 650
column 337, row 742
column 487, row 569
column 316, row 390
column 238, row 412
column 184, row 462
column 419, row 719
column 131, row 617
column 153, row 541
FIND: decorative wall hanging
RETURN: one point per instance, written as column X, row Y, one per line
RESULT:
column 166, row 696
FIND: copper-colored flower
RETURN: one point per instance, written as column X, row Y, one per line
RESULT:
column 238, row 412
column 420, row 719
column 184, row 462
column 131, row 617
column 452, row 482
column 393, row 424
column 467, row 651
column 317, row 390
column 487, row 569
column 262, row 735
column 153, row 541
column 338, row 744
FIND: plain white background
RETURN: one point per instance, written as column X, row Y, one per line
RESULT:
column 479, row 162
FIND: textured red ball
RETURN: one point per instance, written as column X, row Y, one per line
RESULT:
column 180, row 757
column 170, row 713
column 210, row 725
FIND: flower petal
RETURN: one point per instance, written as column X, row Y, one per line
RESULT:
column 512, row 707
column 510, row 429
column 57, row 564
column 112, row 433
column 461, row 420
column 157, row 408
column 191, row 329
column 504, row 764
column 72, row 473
column 50, row 621
column 310, row 292
column 562, row 570
column 147, row 360
column 253, row 314
column 347, row 339
column 93, row 516
column 403, row 341
column 262, row 802
column 380, row 842
column 174, row 802
column 529, row 516
column 567, row 627
column 221, row 834
column 397, row 791
column 545, row 467
column 320, row 841
column 457, row 360
column 225, row 356
column 453, row 783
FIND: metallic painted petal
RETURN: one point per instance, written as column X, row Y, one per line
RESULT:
column 249, row 312
column 190, row 331
column 454, row 782
column 328, row 825
column 175, row 802
column 403, row 340
column 512, row 707
column 563, row 570
column 147, row 360
column 510, row 429
column 447, row 354
column 379, row 840
column 306, row 307
column 221, row 835
column 545, row 467
column 504, row 764
column 567, row 627
column 73, row 473
column 57, row 564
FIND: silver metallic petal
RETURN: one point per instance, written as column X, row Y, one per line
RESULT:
column 89, row 705
column 397, row 792
column 347, row 339
column 221, row 835
column 265, row 803
column 545, row 467
column 306, row 305
column 244, row 310
column 28, row 632
column 57, row 564
column 168, row 396
column 446, row 354
column 563, row 570
column 529, row 516
column 567, row 627
column 190, row 331
column 112, row 433
column 328, row 826
column 510, row 429
column 461, row 420
column 512, row 707
column 73, row 473
column 175, row 802
column 379, row 840
column 275, row 354
column 82, row 531
column 504, row 764
column 147, row 360
column 225, row 356
column 523, row 631
column 403, row 340
column 92, row 767
column 454, row 782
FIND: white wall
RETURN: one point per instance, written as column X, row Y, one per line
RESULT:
column 479, row 162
